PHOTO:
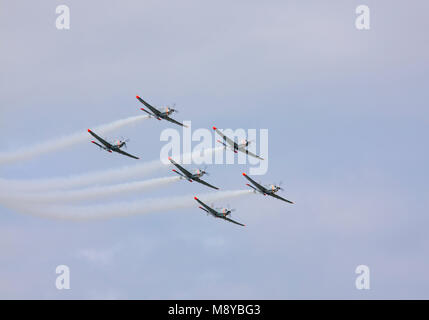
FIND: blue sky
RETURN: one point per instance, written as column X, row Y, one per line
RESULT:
column 347, row 117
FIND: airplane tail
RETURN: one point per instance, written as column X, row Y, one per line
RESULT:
column 254, row 189
column 226, row 146
column 222, row 143
column 100, row 146
column 150, row 114
column 181, row 175
column 204, row 209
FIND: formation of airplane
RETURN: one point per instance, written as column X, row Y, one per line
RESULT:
column 159, row 114
column 109, row 147
column 185, row 174
column 270, row 190
column 221, row 213
column 235, row 146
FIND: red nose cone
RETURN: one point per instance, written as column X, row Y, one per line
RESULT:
column 244, row 174
column 89, row 130
column 169, row 158
column 214, row 128
column 137, row 97
column 195, row 198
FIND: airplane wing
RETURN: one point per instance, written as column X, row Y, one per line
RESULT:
column 174, row 121
column 104, row 142
column 186, row 172
column 154, row 110
column 205, row 183
column 260, row 187
column 243, row 149
column 126, row 154
column 209, row 209
column 224, row 137
column 230, row 220
column 278, row 197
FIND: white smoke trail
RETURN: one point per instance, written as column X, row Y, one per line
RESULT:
column 106, row 211
column 101, row 177
column 63, row 142
column 93, row 193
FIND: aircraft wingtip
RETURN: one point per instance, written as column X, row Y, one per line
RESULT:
column 214, row 128
column 137, row 97
column 89, row 130
column 244, row 174
column 195, row 198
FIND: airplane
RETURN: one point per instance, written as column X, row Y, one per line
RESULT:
column 234, row 146
column 271, row 190
column 185, row 174
column 116, row 147
column 158, row 114
column 222, row 214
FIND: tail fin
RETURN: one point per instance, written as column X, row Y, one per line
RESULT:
column 203, row 209
column 254, row 189
column 181, row 175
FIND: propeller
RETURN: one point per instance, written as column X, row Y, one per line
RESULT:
column 171, row 109
column 203, row 171
column 229, row 210
column 124, row 141
column 275, row 186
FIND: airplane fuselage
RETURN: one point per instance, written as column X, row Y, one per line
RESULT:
column 166, row 113
column 162, row 115
column 234, row 147
column 217, row 214
column 265, row 191
column 196, row 175
column 269, row 191
column 116, row 147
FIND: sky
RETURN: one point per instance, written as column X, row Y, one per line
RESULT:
column 347, row 116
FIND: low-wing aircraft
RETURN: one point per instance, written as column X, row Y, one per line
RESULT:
column 109, row 147
column 235, row 146
column 222, row 214
column 159, row 114
column 270, row 190
column 185, row 174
